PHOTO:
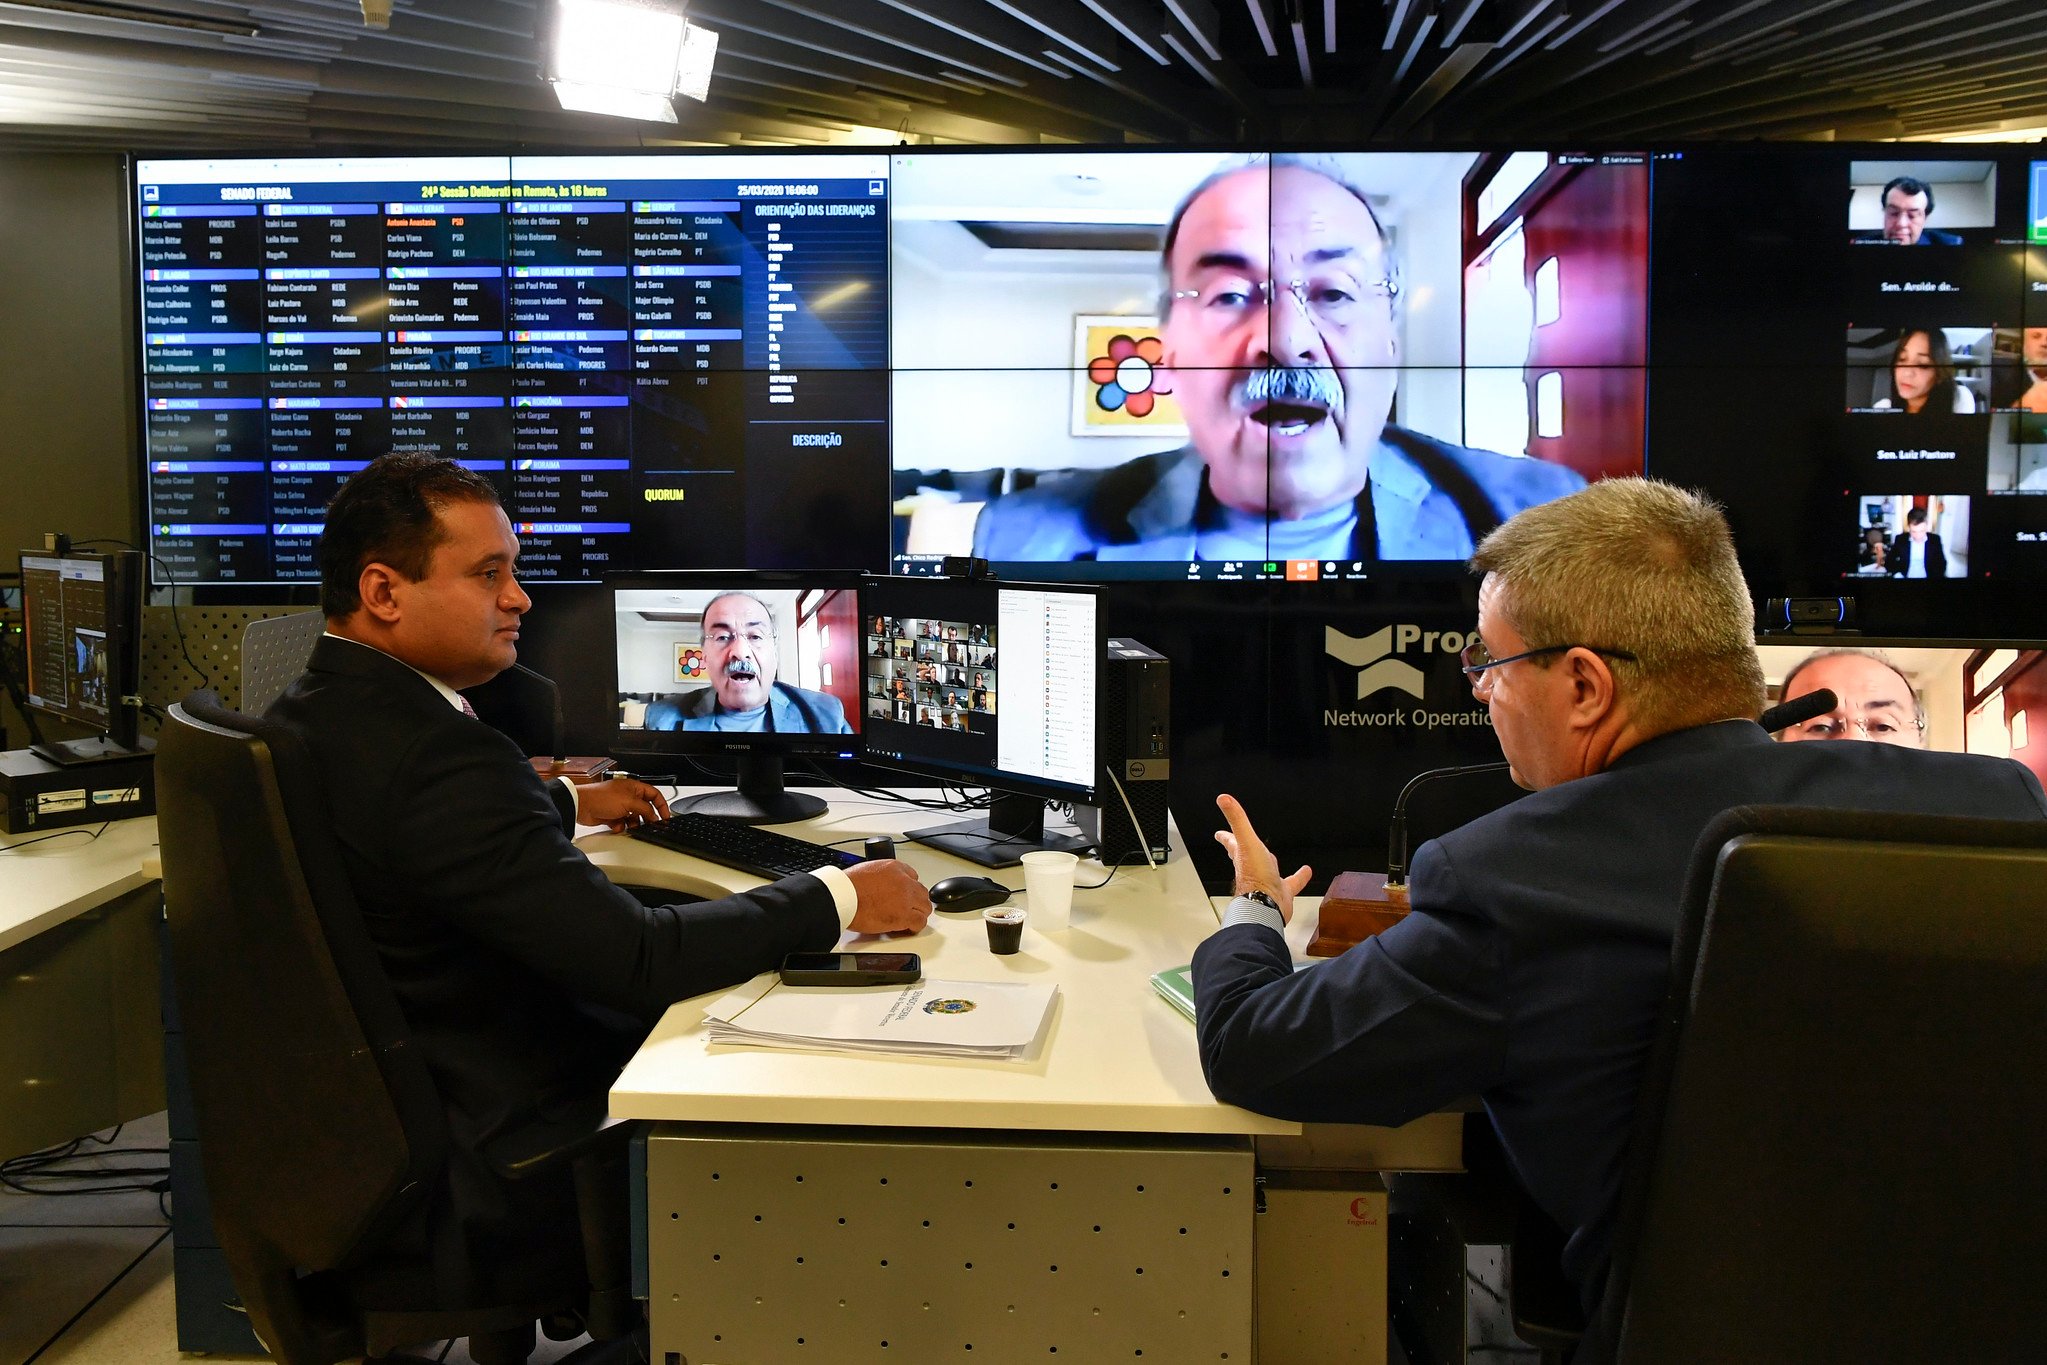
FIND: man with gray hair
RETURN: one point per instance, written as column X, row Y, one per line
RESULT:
column 1615, row 655
column 1278, row 333
column 1873, row 698
column 740, row 656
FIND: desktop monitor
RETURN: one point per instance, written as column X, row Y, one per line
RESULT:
column 757, row 666
column 82, row 615
column 990, row 683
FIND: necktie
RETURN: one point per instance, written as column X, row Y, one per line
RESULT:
column 467, row 709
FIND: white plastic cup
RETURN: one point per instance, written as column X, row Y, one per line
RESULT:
column 1048, row 881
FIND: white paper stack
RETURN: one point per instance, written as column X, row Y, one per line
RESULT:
column 929, row 1018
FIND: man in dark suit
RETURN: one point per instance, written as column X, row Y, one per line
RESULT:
column 1280, row 332
column 1615, row 655
column 741, row 655
column 1907, row 204
column 524, row 975
column 1917, row 553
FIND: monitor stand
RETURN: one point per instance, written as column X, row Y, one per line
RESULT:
column 1015, row 826
column 760, row 799
column 75, row 753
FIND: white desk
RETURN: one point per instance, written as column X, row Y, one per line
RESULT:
column 44, row 884
column 81, row 1036
column 1096, row 1198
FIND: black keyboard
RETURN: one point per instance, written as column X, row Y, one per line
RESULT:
column 746, row 847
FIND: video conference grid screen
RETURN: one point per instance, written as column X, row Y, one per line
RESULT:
column 983, row 681
column 820, row 359
column 64, row 603
column 739, row 660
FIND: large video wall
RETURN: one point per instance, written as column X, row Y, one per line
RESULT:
column 1117, row 364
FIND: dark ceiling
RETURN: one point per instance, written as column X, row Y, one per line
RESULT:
column 284, row 74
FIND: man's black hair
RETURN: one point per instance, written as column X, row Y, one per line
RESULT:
column 1910, row 186
column 389, row 513
column 1915, row 516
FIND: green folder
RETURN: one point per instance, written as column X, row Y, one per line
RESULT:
column 1175, row 985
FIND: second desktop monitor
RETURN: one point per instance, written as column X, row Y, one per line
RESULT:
column 988, row 683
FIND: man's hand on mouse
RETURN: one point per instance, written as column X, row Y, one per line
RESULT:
column 892, row 900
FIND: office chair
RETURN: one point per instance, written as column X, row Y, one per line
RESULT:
column 321, row 1131
column 274, row 653
column 1837, row 1155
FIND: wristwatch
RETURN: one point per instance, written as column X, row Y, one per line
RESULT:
column 1268, row 902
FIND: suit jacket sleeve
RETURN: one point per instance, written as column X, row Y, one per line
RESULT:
column 1395, row 1028
column 564, row 805
column 475, row 835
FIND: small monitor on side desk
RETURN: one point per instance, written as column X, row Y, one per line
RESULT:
column 988, row 683
column 82, row 614
column 752, row 666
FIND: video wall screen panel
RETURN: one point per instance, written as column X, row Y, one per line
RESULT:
column 1076, row 393
column 660, row 360
column 1341, row 366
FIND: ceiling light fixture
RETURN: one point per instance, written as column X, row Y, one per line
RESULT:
column 628, row 58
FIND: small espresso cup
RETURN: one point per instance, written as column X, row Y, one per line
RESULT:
column 1005, row 928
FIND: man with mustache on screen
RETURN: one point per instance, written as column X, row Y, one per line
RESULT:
column 740, row 659
column 1279, row 336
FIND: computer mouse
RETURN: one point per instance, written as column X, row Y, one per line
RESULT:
column 960, row 894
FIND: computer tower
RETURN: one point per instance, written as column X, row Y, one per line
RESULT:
column 1135, row 733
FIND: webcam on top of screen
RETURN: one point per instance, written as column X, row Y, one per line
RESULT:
column 965, row 566
column 1807, row 616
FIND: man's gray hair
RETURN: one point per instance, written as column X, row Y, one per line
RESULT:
column 1330, row 168
column 1641, row 566
column 704, row 616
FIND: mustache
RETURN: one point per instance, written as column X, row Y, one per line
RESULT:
column 742, row 668
column 1306, row 385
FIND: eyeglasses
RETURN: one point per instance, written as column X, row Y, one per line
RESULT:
column 1331, row 302
column 1879, row 724
column 1476, row 659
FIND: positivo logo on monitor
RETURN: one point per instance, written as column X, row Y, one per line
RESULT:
column 1379, row 668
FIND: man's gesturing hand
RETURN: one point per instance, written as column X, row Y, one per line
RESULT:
column 1256, row 868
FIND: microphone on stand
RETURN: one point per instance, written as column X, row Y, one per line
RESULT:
column 581, row 769
column 554, row 708
column 1786, row 714
column 1396, row 831
column 1357, row 905
column 1779, row 717
column 1360, row 904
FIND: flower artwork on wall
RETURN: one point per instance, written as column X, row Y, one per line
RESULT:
column 1119, row 387
column 689, row 663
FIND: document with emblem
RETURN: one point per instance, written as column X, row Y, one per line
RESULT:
column 930, row 1018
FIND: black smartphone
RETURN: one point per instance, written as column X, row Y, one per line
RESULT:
column 851, row 969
